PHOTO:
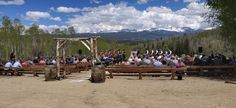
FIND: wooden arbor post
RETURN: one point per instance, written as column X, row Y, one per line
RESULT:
column 60, row 44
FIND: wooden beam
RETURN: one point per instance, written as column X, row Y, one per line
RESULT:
column 63, row 43
column 88, row 42
column 85, row 44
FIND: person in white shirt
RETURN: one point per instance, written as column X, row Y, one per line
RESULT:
column 54, row 61
column 7, row 65
column 84, row 60
column 17, row 65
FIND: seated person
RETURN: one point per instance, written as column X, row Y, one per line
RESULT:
column 17, row 64
column 76, row 61
column 54, row 61
column 42, row 62
column 147, row 61
column 170, row 63
column 25, row 64
column 84, row 60
column 164, row 63
column 180, row 64
column 157, row 63
column 30, row 62
column 7, row 65
column 139, row 61
column 130, row 61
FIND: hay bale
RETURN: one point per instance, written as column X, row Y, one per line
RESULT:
column 98, row 74
column 50, row 73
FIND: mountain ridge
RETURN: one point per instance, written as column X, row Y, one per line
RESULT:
column 133, row 35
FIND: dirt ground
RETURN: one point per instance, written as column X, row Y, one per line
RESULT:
column 120, row 92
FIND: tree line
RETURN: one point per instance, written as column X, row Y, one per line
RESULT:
column 28, row 43
column 31, row 42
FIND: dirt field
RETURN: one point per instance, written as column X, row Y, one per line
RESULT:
column 120, row 92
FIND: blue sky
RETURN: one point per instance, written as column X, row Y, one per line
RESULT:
column 107, row 15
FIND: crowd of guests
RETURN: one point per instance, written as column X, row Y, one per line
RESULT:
column 161, row 58
column 112, row 57
column 19, row 63
column 153, row 57
column 157, row 58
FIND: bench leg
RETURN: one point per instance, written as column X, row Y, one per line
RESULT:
column 35, row 74
column 140, row 75
column 111, row 76
column 173, row 72
column 15, row 72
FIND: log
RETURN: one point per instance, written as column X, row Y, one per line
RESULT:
column 50, row 73
column 98, row 74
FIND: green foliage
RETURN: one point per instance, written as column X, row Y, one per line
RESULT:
column 35, row 41
column 210, row 40
column 224, row 14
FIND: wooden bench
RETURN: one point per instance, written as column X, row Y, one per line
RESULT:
column 39, row 69
column 215, row 68
column 145, row 69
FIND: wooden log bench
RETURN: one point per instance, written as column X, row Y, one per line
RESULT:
column 145, row 69
column 7, row 71
column 213, row 69
column 40, row 69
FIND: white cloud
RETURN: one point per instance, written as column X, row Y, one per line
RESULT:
column 142, row 1
column 35, row 15
column 95, row 1
column 55, row 18
column 66, row 9
column 51, row 28
column 176, row 0
column 189, row 1
column 52, row 8
column 113, row 18
column 12, row 2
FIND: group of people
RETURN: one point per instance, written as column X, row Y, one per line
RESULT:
column 15, row 63
column 12, row 63
column 112, row 56
column 157, row 58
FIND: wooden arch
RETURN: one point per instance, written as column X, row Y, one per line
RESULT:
column 89, row 42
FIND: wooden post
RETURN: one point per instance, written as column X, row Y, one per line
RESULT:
column 58, row 58
column 96, row 48
column 64, row 60
column 92, row 50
